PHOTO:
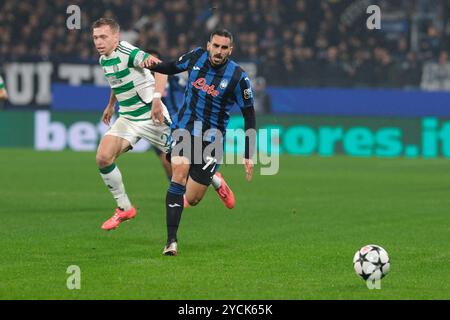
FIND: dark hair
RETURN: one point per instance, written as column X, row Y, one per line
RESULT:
column 223, row 33
column 106, row 22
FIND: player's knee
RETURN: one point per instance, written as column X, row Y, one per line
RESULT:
column 179, row 175
column 103, row 160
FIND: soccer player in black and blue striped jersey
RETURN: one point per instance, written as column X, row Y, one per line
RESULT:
column 215, row 84
column 175, row 87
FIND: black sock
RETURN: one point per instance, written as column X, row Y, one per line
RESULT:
column 174, row 209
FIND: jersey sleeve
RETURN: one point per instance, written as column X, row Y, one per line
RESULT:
column 135, row 55
column 2, row 84
column 243, row 92
column 185, row 61
column 136, row 58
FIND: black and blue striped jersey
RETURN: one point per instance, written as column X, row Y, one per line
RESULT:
column 174, row 94
column 211, row 93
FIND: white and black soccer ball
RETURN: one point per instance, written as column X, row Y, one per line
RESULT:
column 371, row 262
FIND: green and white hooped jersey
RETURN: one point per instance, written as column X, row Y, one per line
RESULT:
column 2, row 84
column 132, row 85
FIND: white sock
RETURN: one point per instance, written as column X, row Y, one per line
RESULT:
column 113, row 181
column 216, row 182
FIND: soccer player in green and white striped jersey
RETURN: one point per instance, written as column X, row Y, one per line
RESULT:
column 3, row 93
column 136, row 91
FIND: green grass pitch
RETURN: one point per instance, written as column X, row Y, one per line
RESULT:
column 290, row 236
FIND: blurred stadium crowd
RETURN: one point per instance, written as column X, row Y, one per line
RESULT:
column 293, row 43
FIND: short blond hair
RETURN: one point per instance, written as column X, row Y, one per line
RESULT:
column 106, row 22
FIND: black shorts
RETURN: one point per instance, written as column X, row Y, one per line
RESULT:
column 204, row 157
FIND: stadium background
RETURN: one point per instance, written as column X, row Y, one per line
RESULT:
column 304, row 57
column 329, row 85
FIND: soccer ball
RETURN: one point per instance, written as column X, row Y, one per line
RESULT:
column 371, row 262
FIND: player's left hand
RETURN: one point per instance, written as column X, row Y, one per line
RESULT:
column 157, row 111
column 150, row 62
column 248, row 165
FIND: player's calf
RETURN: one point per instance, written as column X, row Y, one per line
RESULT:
column 195, row 192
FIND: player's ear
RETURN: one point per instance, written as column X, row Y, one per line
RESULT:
column 208, row 45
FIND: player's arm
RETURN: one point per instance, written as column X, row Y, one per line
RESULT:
column 250, row 125
column 157, row 108
column 110, row 109
column 136, row 59
column 244, row 98
column 167, row 68
column 173, row 67
column 3, row 92
column 137, row 56
column 250, row 139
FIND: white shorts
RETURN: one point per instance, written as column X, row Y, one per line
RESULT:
column 133, row 131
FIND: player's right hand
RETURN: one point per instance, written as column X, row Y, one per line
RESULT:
column 157, row 111
column 107, row 114
column 150, row 62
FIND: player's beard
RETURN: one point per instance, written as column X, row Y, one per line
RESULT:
column 222, row 59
